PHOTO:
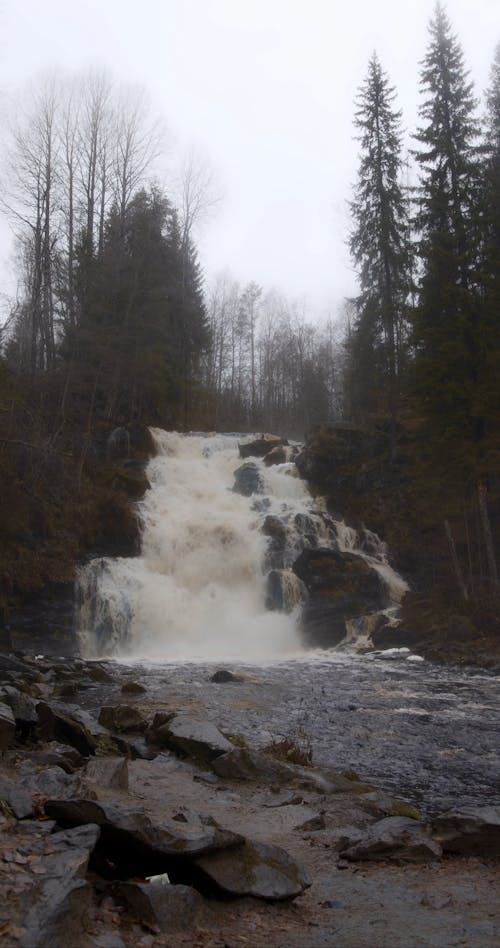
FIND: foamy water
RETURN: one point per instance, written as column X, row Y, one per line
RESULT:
column 197, row 592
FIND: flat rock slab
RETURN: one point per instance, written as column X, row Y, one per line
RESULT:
column 200, row 740
column 257, row 869
column 469, row 831
column 396, row 839
column 131, row 840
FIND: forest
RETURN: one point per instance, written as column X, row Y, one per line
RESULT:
column 114, row 326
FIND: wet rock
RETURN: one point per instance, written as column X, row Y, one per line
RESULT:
column 224, row 675
column 275, row 529
column 200, row 740
column 122, row 718
column 55, row 724
column 277, row 455
column 248, row 479
column 107, row 772
column 9, row 665
column 341, row 586
column 261, row 446
column 23, row 708
column 7, row 727
column 60, row 903
column 47, row 781
column 99, row 674
column 242, row 763
column 284, row 590
column 277, row 798
column 17, row 798
column 57, row 755
column 169, row 908
column 133, row 688
column 257, row 869
column 134, row 844
column 396, row 839
column 469, row 831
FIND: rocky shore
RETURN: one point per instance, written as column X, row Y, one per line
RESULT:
column 129, row 817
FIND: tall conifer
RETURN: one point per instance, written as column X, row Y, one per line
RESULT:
column 379, row 243
column 447, row 317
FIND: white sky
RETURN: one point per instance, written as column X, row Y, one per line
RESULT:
column 266, row 89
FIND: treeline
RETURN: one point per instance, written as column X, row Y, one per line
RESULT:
column 267, row 366
column 424, row 345
column 110, row 303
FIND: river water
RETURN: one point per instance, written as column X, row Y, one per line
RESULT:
column 196, row 597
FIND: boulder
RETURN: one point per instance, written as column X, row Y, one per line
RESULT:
column 395, row 839
column 242, row 763
column 223, row 675
column 341, row 586
column 59, row 725
column 284, row 590
column 469, row 831
column 261, row 446
column 200, row 740
column 169, row 908
column 59, row 906
column 277, row 455
column 23, row 708
column 17, row 798
column 106, row 772
column 133, row 843
column 7, row 727
column 274, row 528
column 248, row 479
column 257, row 869
column 122, row 718
column 133, row 688
column 42, row 782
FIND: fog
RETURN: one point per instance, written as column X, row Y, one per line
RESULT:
column 264, row 90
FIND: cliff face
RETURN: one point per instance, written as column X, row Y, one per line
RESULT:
column 352, row 467
column 56, row 513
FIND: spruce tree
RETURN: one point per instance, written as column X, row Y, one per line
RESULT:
column 446, row 321
column 379, row 244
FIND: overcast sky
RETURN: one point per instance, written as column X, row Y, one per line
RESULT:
column 265, row 88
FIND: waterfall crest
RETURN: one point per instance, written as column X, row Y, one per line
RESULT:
column 213, row 581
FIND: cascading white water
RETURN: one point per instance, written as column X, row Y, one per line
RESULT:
column 198, row 591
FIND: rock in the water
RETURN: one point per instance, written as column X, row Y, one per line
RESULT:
column 277, row 455
column 266, row 872
column 7, row 727
column 469, row 831
column 396, row 839
column 242, row 763
column 284, row 590
column 223, row 675
column 341, row 586
column 201, row 740
column 99, row 673
column 261, row 446
column 133, row 688
column 122, row 718
column 248, row 479
column 170, row 908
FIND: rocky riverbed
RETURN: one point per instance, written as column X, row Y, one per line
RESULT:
column 155, row 806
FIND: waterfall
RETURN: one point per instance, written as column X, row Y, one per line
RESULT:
column 214, row 581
